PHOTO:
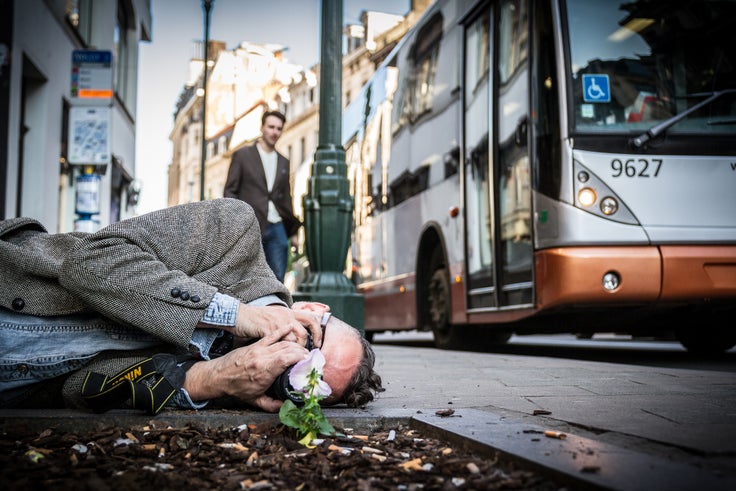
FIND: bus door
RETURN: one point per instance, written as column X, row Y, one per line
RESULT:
column 497, row 188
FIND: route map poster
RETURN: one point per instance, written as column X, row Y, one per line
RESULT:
column 89, row 135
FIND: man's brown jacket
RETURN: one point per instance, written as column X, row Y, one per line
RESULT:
column 246, row 180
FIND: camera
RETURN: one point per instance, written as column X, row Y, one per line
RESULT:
column 281, row 388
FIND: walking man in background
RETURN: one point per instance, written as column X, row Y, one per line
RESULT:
column 259, row 175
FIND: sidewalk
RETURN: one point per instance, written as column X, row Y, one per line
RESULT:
column 628, row 427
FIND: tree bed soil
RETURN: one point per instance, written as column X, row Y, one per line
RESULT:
column 254, row 457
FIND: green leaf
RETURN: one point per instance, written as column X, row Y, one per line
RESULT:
column 326, row 428
column 289, row 414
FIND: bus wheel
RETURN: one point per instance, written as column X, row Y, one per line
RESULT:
column 438, row 302
column 447, row 336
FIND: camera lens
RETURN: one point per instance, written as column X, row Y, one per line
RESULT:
column 310, row 342
column 281, row 388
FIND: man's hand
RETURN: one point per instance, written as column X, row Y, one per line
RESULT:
column 246, row 373
column 315, row 307
column 257, row 322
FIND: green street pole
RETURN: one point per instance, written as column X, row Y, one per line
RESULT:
column 207, row 7
column 328, row 205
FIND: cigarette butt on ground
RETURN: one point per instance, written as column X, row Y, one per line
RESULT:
column 555, row 434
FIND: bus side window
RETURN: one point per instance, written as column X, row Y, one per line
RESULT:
column 416, row 84
column 425, row 54
column 401, row 109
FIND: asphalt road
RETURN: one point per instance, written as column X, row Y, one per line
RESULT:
column 608, row 347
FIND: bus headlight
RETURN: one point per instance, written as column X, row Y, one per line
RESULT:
column 593, row 195
column 609, row 205
column 586, row 197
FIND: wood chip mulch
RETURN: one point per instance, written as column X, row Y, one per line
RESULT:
column 248, row 457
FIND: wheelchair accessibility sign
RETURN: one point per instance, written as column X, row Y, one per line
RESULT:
column 596, row 88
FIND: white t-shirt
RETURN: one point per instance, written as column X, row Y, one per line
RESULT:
column 269, row 167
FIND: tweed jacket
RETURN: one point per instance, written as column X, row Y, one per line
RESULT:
column 246, row 180
column 127, row 271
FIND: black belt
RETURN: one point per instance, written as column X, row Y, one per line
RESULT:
column 103, row 393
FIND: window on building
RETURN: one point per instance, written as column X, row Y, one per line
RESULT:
column 79, row 15
column 123, row 55
column 120, row 182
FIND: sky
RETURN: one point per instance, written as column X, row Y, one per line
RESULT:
column 164, row 62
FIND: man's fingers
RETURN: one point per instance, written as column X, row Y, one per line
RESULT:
column 278, row 355
column 311, row 322
column 275, row 335
column 267, row 403
column 316, row 307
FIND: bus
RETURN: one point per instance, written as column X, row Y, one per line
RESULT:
column 550, row 166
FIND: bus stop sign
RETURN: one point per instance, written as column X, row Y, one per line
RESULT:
column 91, row 76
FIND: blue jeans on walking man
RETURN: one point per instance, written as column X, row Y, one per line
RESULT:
column 276, row 247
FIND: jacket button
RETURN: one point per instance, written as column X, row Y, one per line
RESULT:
column 18, row 304
column 23, row 368
column 184, row 295
column 195, row 298
column 175, row 292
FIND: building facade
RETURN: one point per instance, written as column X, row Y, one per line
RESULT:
column 242, row 83
column 38, row 176
column 245, row 81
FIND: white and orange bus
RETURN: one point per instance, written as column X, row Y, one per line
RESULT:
column 550, row 166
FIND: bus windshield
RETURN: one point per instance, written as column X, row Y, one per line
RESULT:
column 636, row 64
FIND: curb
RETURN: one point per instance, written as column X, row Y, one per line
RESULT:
column 568, row 457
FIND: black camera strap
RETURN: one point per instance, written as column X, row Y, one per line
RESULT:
column 103, row 392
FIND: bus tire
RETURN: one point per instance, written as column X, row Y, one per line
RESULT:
column 438, row 307
column 448, row 336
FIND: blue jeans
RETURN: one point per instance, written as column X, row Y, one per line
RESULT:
column 276, row 247
column 33, row 348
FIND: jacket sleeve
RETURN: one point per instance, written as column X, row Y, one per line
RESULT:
column 284, row 204
column 159, row 271
column 234, row 175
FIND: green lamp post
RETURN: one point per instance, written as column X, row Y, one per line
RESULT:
column 207, row 7
column 328, row 205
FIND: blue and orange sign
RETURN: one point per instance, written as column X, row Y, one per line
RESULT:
column 91, row 75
